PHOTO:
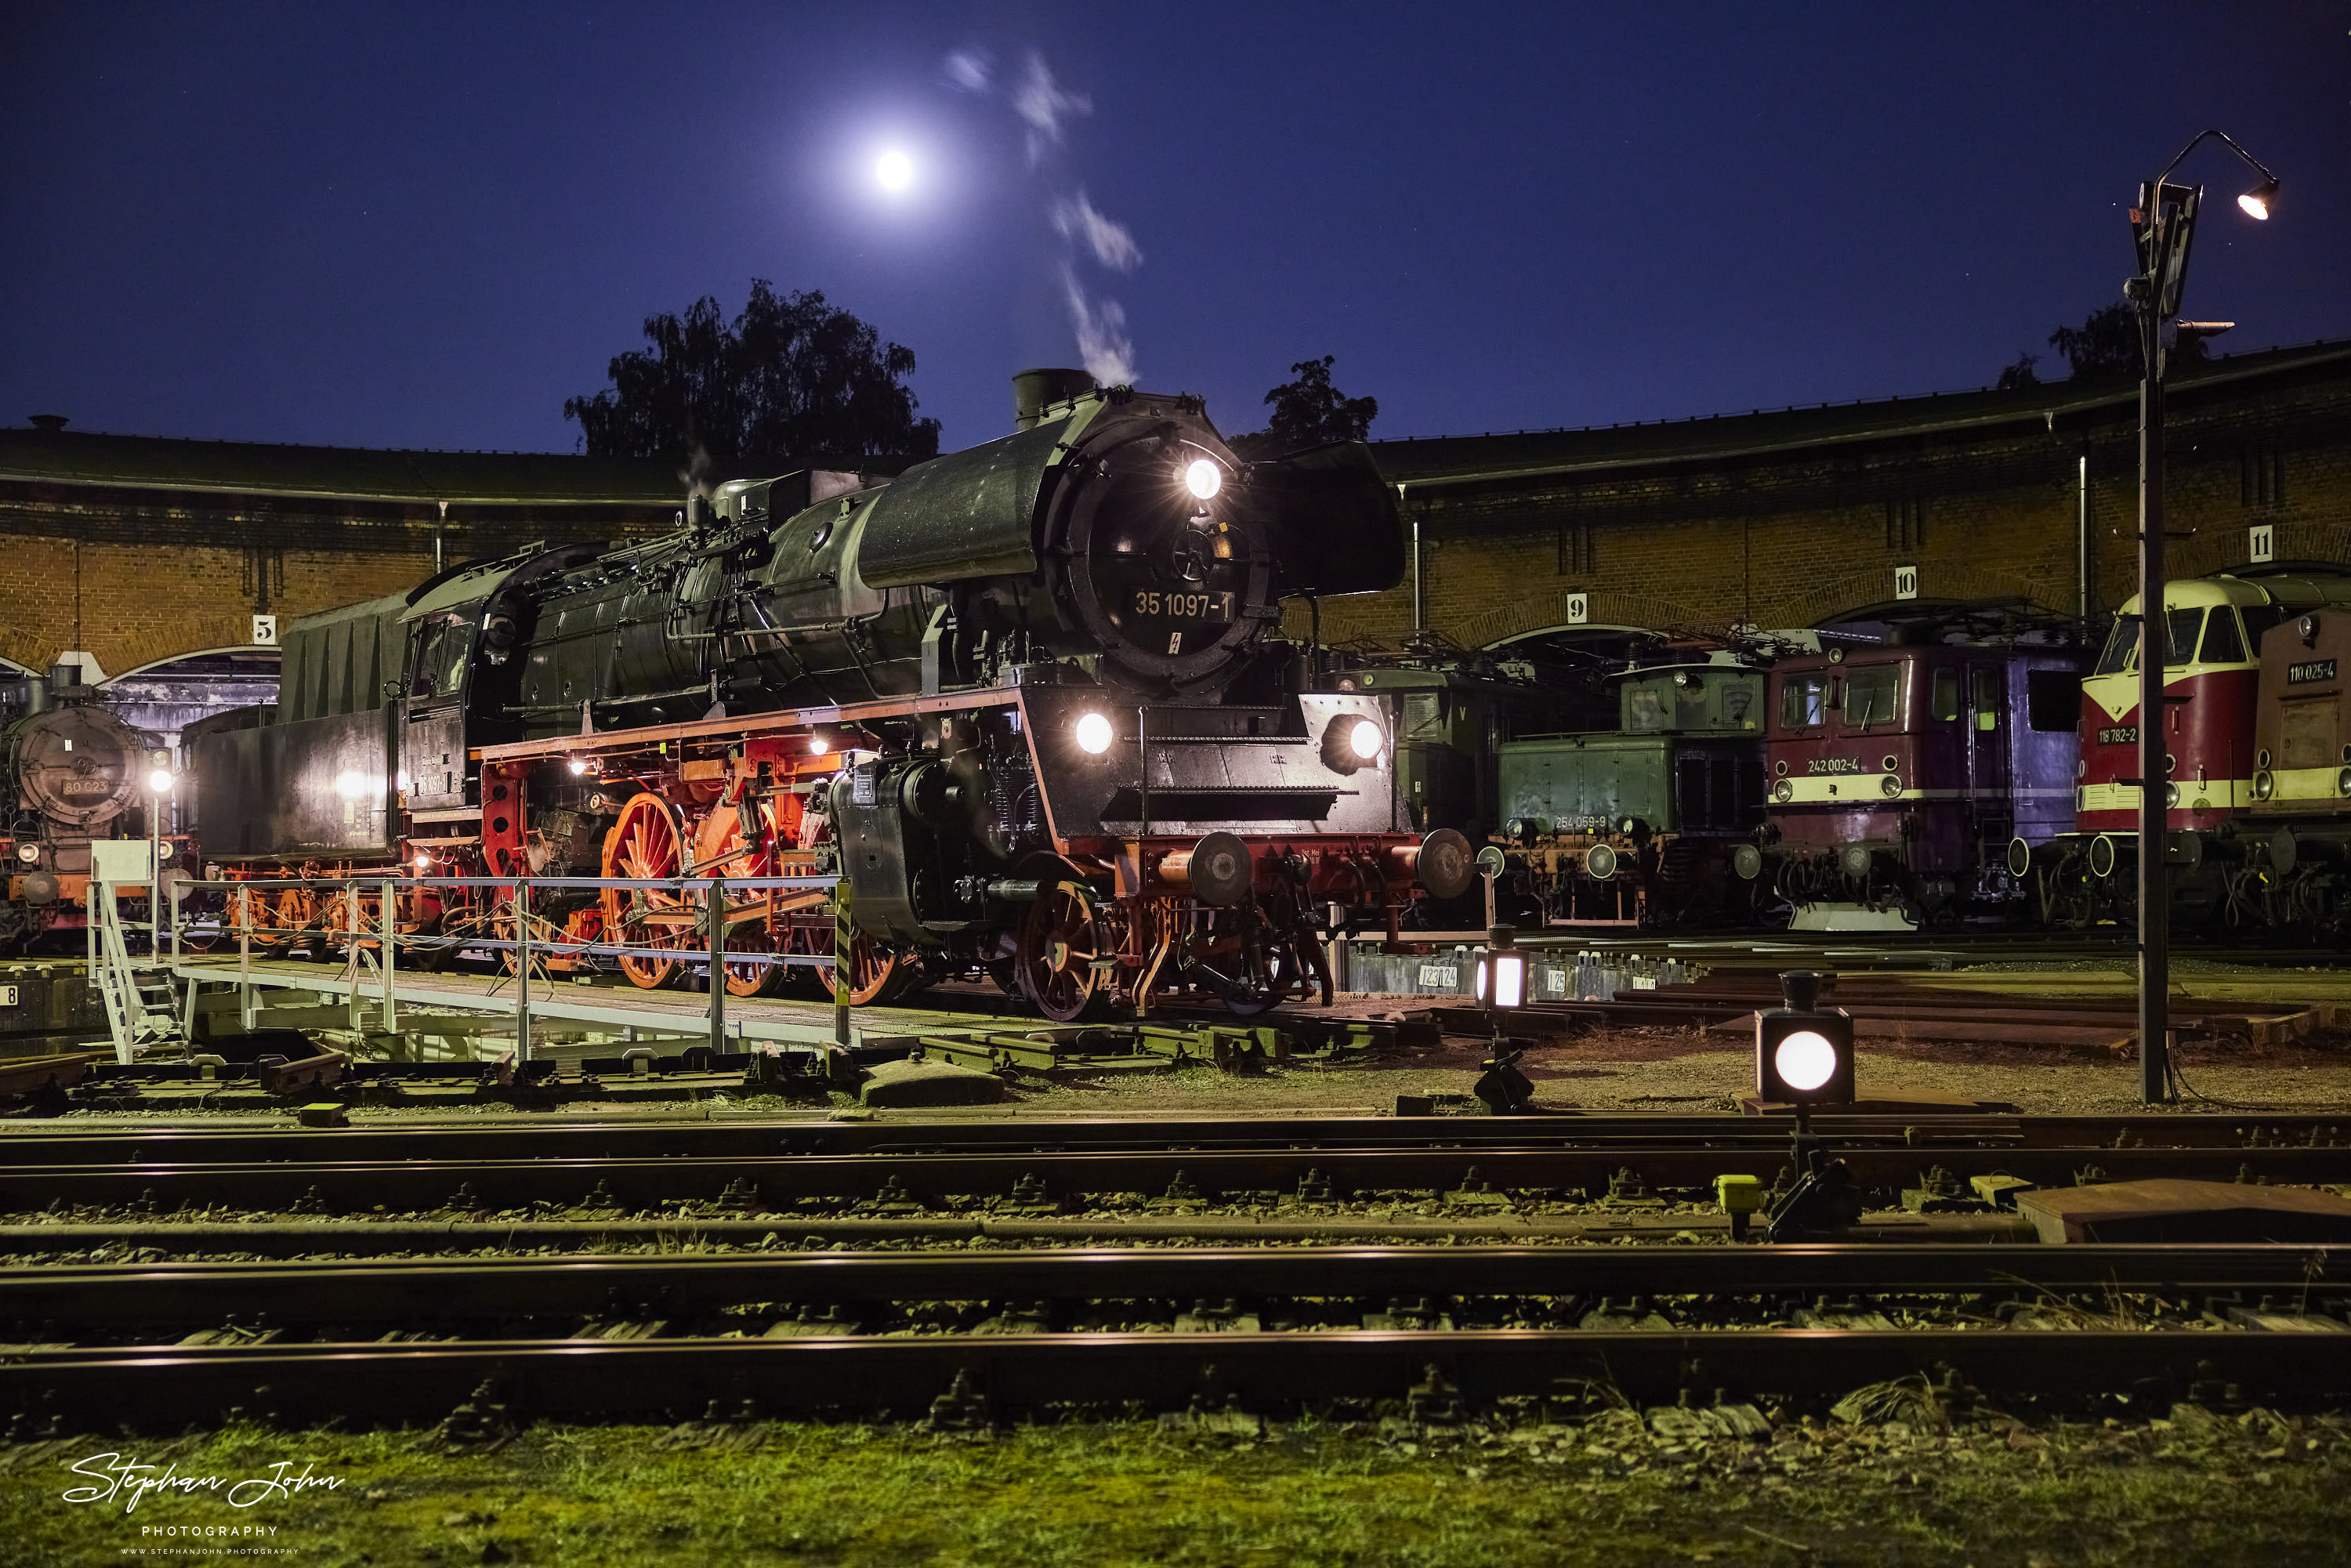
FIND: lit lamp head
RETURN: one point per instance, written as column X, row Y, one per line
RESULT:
column 1501, row 971
column 2256, row 202
column 1803, row 1052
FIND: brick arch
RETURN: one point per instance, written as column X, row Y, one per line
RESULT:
column 1833, row 596
column 206, row 633
column 126, row 674
column 2212, row 549
column 1602, row 607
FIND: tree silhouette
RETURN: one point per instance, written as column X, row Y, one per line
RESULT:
column 1309, row 411
column 792, row 379
column 2106, row 344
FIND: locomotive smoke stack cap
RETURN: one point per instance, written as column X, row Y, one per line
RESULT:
column 64, row 678
column 1034, row 391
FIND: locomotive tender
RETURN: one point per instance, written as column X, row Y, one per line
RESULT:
column 1024, row 700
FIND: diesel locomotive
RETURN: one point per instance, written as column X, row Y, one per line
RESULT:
column 1027, row 702
column 2216, row 632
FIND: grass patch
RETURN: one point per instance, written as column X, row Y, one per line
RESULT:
column 2210, row 1491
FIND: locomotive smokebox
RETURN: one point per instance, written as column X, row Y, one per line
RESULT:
column 1035, row 390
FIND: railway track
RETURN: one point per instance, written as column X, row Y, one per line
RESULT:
column 809, row 1168
column 1005, row 1314
column 1433, row 1334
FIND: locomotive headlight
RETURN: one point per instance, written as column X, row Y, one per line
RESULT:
column 29, row 853
column 1203, row 478
column 1805, row 1060
column 1366, row 739
column 1094, row 733
column 1783, row 791
column 1892, row 787
column 160, row 781
column 2264, row 785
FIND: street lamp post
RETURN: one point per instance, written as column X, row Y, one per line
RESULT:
column 2163, row 225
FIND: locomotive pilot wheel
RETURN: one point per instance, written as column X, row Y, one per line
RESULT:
column 1060, row 941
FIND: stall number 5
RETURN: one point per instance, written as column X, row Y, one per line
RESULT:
column 1906, row 583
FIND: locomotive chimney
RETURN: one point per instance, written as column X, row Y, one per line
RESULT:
column 1032, row 391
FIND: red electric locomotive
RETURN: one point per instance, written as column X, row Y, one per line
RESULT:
column 1897, row 775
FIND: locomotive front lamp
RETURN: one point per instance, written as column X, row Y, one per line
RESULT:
column 1203, row 478
column 1094, row 734
column 1366, row 739
column 160, row 781
column 1803, row 1052
column 1502, row 973
column 29, row 853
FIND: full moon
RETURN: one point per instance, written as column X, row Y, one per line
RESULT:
column 894, row 169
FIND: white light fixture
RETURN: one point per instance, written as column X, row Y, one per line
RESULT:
column 894, row 170
column 578, row 765
column 1502, row 973
column 1094, row 733
column 29, row 853
column 1366, row 739
column 424, row 864
column 1805, row 1060
column 819, row 746
column 160, row 781
column 1202, row 477
column 2256, row 202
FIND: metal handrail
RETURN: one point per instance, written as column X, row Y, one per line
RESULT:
column 381, row 939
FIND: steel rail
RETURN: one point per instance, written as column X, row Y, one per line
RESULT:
column 80, row 1299
column 505, row 1382
column 305, row 1237
column 1320, row 1174
column 750, row 1134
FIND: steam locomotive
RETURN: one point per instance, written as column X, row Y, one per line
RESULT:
column 71, row 771
column 1024, row 701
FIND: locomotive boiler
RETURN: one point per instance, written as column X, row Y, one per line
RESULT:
column 1026, row 701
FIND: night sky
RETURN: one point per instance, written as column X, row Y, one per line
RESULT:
column 427, row 226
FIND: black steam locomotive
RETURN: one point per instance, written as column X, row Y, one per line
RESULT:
column 1027, row 701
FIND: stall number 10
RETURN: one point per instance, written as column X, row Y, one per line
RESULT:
column 1906, row 583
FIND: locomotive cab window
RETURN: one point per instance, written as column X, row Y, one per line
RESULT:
column 1984, row 695
column 437, row 651
column 2180, row 636
column 1869, row 696
column 2122, row 647
column 1946, row 701
column 1803, row 702
column 2224, row 644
